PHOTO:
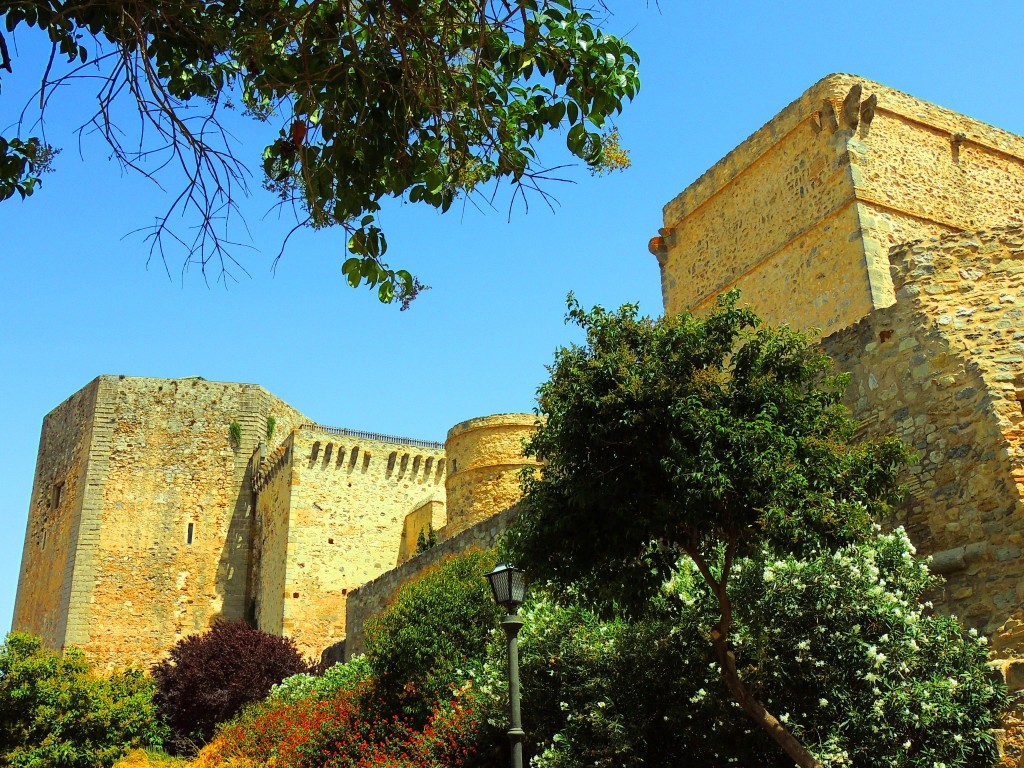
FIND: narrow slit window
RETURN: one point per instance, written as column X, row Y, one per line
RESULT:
column 191, row 531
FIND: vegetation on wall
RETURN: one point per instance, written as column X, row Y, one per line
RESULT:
column 235, row 433
column 208, row 678
column 56, row 711
column 271, row 426
column 426, row 539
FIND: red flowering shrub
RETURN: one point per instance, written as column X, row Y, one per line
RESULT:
column 208, row 678
column 342, row 732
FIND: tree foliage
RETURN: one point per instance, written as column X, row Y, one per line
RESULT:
column 56, row 711
column 712, row 438
column 208, row 678
column 838, row 643
column 426, row 99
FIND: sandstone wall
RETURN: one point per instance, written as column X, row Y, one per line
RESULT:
column 944, row 369
column 430, row 514
column 161, row 542
column 348, row 501
column 802, row 214
column 268, row 567
column 485, row 456
column 373, row 597
column 54, row 520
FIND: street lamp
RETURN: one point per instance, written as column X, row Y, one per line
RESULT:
column 509, row 586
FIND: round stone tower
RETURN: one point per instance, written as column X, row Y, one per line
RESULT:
column 484, row 456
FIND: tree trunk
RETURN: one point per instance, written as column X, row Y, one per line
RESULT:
column 727, row 659
column 755, row 709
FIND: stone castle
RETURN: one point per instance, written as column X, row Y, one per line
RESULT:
column 890, row 225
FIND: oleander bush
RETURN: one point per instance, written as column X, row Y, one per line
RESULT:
column 838, row 643
column 208, row 678
column 57, row 711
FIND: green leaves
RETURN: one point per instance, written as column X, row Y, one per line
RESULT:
column 21, row 163
column 373, row 100
column 689, row 432
column 56, row 710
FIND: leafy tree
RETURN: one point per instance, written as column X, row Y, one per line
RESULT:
column 56, row 711
column 426, row 99
column 208, row 678
column 712, row 438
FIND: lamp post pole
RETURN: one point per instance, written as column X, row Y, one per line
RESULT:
column 509, row 586
column 511, row 624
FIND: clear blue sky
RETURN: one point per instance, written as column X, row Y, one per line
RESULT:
column 78, row 300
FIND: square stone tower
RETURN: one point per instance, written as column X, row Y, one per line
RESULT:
column 801, row 215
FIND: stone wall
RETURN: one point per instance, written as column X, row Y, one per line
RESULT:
column 54, row 520
column 272, row 486
column 373, row 597
column 349, row 497
column 485, row 456
column 944, row 369
column 162, row 541
column 802, row 214
column 430, row 514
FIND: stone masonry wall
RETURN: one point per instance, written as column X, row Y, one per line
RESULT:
column 270, row 538
column 54, row 520
column 348, row 500
column 485, row 456
column 162, row 469
column 802, row 214
column 373, row 597
column 944, row 369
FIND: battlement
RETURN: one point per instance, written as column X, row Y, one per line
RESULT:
column 801, row 215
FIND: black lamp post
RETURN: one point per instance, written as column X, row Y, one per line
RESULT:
column 509, row 586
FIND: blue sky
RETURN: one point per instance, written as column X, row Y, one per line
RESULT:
column 79, row 301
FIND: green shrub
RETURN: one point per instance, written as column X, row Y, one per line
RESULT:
column 335, row 679
column 56, row 711
column 207, row 679
column 837, row 643
column 420, row 646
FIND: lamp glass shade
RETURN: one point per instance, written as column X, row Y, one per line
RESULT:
column 509, row 585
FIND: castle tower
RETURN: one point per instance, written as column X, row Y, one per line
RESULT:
column 138, row 529
column 893, row 226
column 802, row 214
column 485, row 456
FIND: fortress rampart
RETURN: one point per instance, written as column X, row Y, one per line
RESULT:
column 161, row 505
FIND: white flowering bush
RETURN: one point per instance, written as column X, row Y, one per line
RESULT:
column 838, row 644
column 335, row 679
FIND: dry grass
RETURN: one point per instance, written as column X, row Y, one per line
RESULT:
column 142, row 758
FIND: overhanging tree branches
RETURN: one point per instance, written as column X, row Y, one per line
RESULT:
column 427, row 99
